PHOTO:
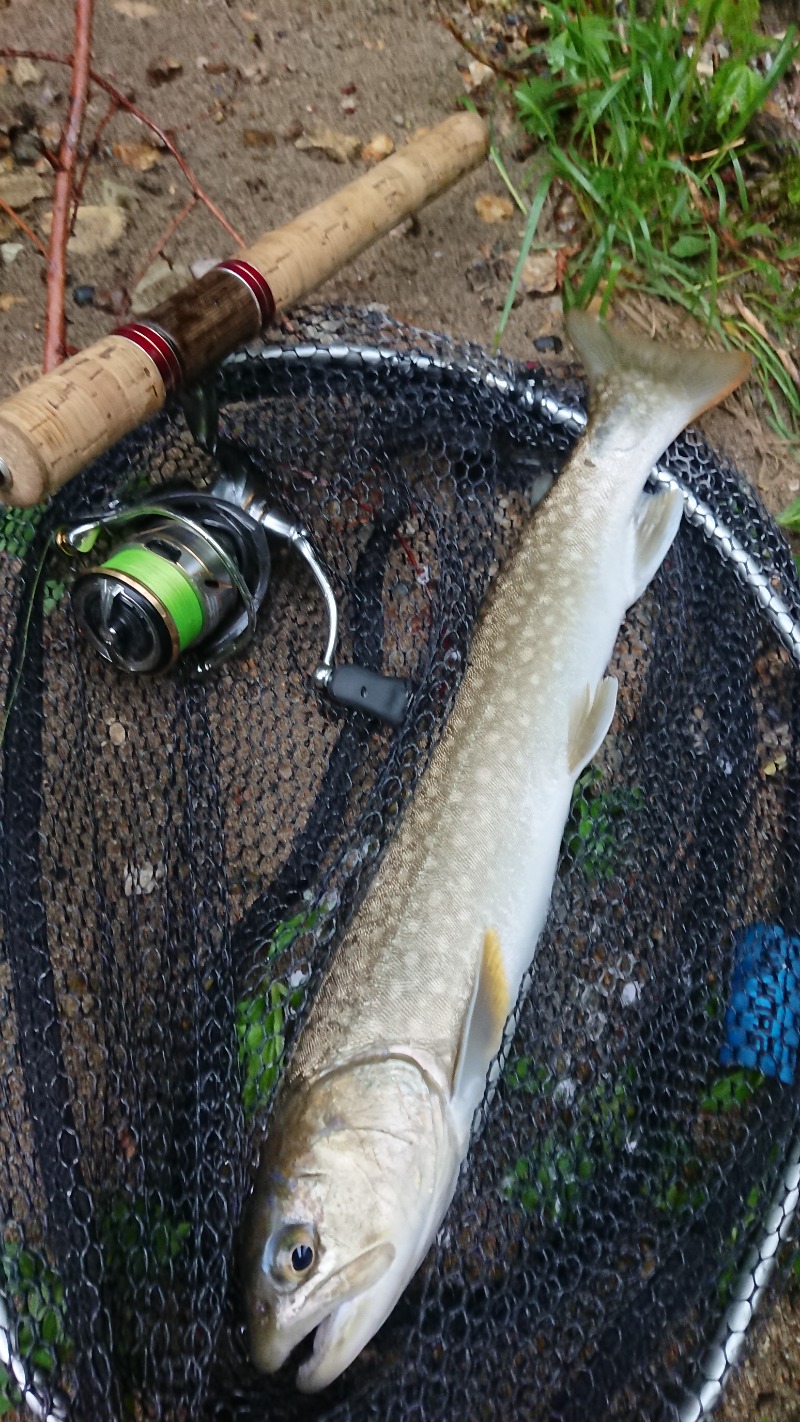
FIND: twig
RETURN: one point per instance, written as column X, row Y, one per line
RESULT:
column 46, row 56
column 161, row 133
column 90, row 152
column 157, row 248
column 15, row 217
column 692, row 157
column 55, row 326
column 507, row 71
column 712, row 152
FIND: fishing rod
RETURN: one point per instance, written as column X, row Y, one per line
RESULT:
column 53, row 428
column 192, row 568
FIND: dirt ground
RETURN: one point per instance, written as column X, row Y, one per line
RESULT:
column 239, row 82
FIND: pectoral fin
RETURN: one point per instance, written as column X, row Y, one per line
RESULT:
column 485, row 1018
column 591, row 717
column 657, row 523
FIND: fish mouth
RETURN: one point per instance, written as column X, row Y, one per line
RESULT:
column 320, row 1338
column 339, row 1338
column 307, row 1351
column 339, row 1315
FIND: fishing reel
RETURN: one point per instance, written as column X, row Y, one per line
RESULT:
column 187, row 581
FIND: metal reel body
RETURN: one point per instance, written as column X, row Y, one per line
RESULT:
column 194, row 575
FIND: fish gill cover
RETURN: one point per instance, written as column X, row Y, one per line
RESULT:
column 179, row 859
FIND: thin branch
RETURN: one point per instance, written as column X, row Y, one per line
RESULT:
column 90, row 152
column 55, row 327
column 169, row 143
column 507, row 71
column 157, row 249
column 46, row 56
column 15, row 217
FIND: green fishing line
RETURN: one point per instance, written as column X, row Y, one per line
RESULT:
column 166, row 582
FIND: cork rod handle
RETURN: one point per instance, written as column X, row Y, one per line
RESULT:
column 55, row 426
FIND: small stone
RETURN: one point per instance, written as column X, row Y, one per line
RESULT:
column 494, row 207
column 26, row 72
column 19, row 190
column 83, row 295
column 379, row 147
column 116, row 733
column 258, row 138
column 26, row 147
column 549, row 343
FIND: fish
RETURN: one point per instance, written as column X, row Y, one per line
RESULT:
column 375, row 1109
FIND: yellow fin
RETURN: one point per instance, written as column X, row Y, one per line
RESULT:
column 482, row 1030
column 589, row 722
column 494, row 983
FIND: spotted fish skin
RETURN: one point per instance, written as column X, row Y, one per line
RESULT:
column 432, row 964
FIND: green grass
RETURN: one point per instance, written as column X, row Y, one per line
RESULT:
column 588, row 1132
column 261, row 1020
column 598, row 821
column 593, row 1128
column 17, row 529
column 789, row 519
column 140, row 1239
column 652, row 149
column 36, row 1295
column 731, row 1091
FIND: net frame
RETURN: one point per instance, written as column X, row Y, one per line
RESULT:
column 774, row 590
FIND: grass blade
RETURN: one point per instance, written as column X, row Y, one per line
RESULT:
column 539, row 199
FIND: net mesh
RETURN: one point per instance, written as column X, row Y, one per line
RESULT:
column 179, row 859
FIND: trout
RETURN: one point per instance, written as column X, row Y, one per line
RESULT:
column 375, row 1110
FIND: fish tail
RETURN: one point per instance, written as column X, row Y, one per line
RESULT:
column 679, row 383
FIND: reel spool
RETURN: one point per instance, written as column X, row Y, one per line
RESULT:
column 187, row 582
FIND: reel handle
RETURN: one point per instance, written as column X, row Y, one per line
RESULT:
column 360, row 689
column 54, row 427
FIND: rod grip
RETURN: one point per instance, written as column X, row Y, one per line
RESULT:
column 55, row 426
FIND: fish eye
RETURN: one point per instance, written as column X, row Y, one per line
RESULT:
column 294, row 1254
column 302, row 1258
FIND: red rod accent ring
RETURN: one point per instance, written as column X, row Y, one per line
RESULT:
column 256, row 283
column 157, row 344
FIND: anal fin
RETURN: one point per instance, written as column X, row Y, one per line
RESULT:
column 485, row 1018
column 657, row 521
column 589, row 723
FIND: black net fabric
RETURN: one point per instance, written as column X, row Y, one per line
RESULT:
column 179, row 859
